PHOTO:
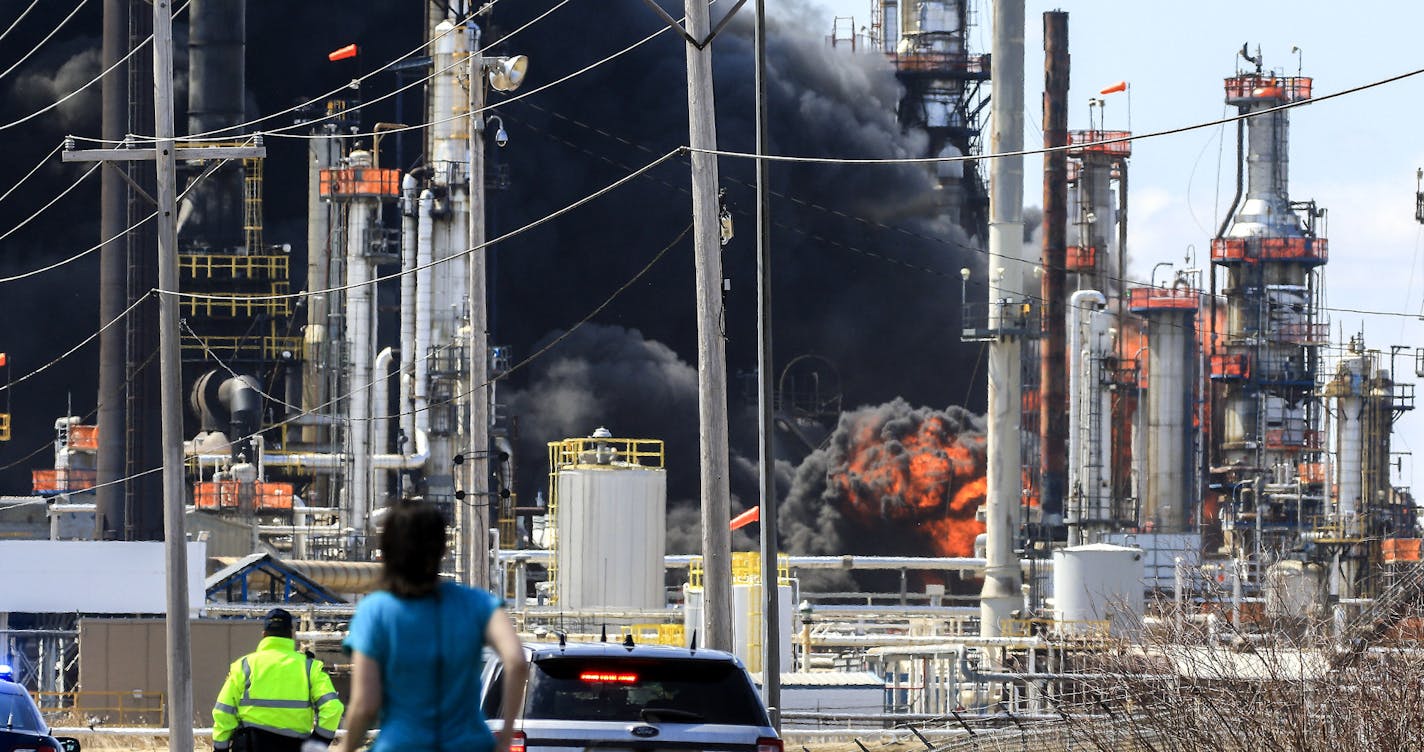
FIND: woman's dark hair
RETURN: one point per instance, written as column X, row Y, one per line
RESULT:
column 412, row 546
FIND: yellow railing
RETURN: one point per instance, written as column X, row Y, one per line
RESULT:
column 746, row 569
column 234, row 266
column 591, row 452
column 273, row 348
column 656, row 634
column 132, row 708
column 241, row 304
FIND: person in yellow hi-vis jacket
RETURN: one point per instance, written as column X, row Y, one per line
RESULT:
column 275, row 698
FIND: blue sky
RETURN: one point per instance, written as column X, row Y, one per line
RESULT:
column 1355, row 155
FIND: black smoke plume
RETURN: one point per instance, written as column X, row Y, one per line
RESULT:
column 865, row 272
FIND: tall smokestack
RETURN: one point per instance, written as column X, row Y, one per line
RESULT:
column 1052, row 417
column 109, row 519
column 217, row 75
column 1002, row 580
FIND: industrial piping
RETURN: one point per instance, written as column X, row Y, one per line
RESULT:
column 358, row 339
column 410, row 241
column 1079, row 391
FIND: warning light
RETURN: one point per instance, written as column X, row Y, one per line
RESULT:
column 4, row 360
column 608, row 677
column 349, row 51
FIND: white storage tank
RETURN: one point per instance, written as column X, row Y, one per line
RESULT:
column 1296, row 589
column 1098, row 584
column 609, row 508
column 748, row 609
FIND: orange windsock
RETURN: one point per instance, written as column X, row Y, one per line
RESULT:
column 348, row 51
column 1119, row 86
column 746, row 518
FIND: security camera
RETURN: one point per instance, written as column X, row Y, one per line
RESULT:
column 501, row 136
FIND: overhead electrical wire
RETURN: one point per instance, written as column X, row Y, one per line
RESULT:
column 459, row 254
column 1050, row 149
column 1122, row 281
column 17, row 21
column 316, row 409
column 38, row 166
column 121, row 61
column 286, row 131
column 40, row 45
column 50, row 203
column 52, row 363
column 214, row 135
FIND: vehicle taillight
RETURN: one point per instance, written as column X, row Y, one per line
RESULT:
column 768, row 744
column 608, row 676
column 518, row 742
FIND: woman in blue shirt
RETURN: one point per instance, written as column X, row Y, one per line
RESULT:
column 417, row 649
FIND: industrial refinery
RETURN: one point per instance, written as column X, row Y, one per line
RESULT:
column 1028, row 478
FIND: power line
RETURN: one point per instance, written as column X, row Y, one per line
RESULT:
column 285, row 132
column 17, row 21
column 316, row 410
column 77, row 347
column 1050, row 149
column 42, row 42
column 121, row 61
column 464, row 252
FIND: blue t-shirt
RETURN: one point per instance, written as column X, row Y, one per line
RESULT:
column 430, row 651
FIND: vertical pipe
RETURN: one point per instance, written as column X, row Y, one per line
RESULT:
column 175, row 541
column 1082, row 485
column 424, row 310
column 410, row 212
column 1000, row 595
column 358, row 341
column 109, row 520
column 1052, row 413
column 322, row 154
column 380, row 421
column 711, row 349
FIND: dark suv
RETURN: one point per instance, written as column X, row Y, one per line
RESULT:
column 645, row 697
column 22, row 728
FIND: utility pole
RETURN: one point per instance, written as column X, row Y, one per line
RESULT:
column 711, row 348
column 1002, row 580
column 766, row 429
column 165, row 155
column 478, row 498
column 109, row 518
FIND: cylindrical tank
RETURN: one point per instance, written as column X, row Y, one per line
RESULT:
column 611, row 518
column 1295, row 589
column 1096, row 584
column 1349, row 402
column 1171, row 345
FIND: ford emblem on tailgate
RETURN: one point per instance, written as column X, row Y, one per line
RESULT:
column 644, row 731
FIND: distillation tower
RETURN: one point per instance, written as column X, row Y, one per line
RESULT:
column 1269, row 254
column 1102, row 383
column 928, row 42
column 1169, row 490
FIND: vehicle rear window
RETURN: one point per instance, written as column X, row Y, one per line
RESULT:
column 17, row 713
column 634, row 689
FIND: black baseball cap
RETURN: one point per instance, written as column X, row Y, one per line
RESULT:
column 278, row 621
